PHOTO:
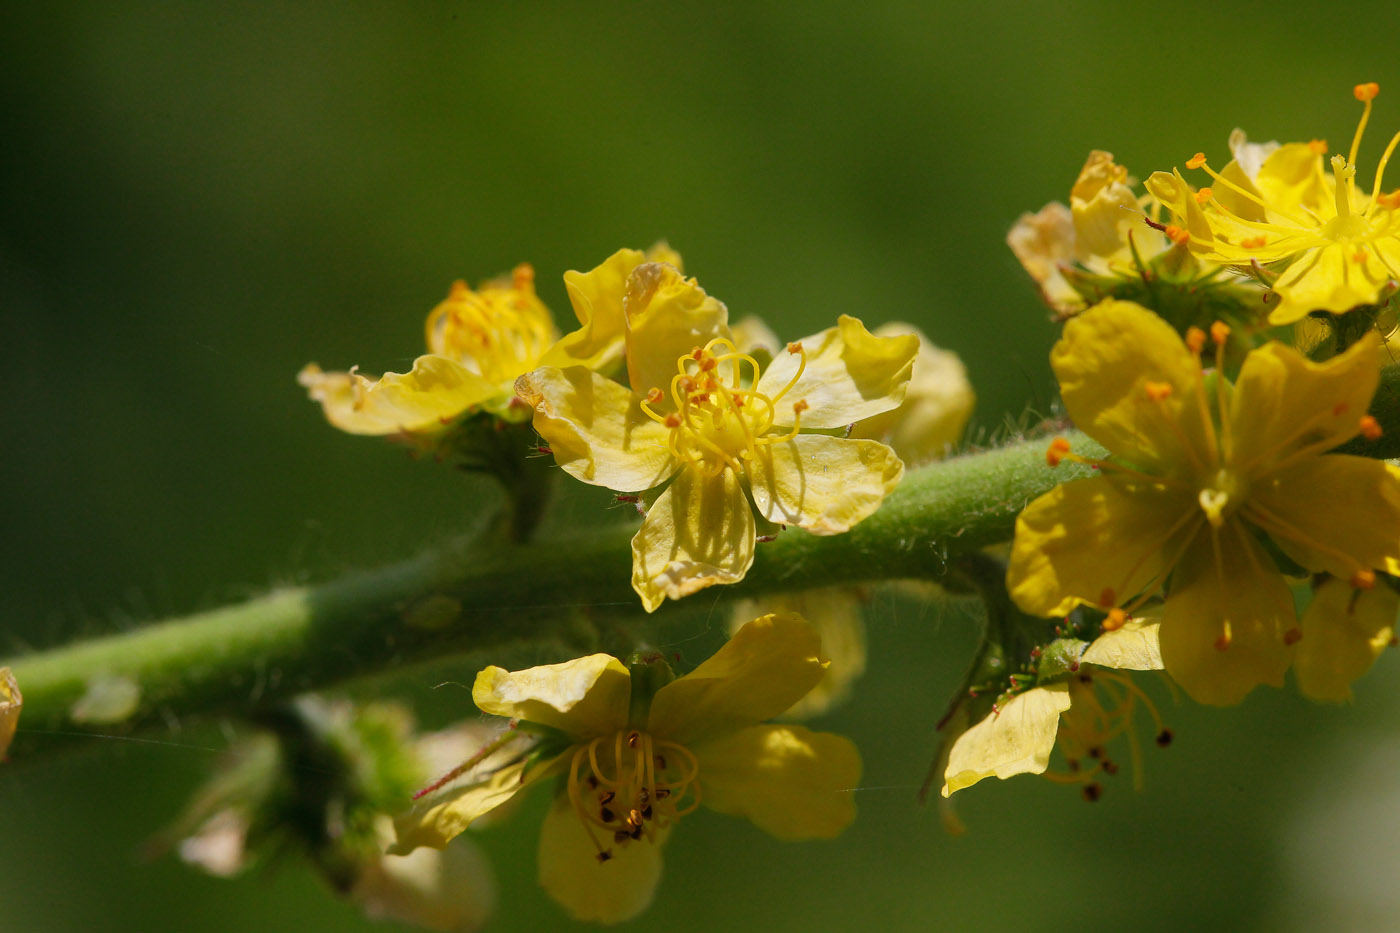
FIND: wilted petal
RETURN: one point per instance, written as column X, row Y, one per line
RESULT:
column 424, row 399
column 582, row 698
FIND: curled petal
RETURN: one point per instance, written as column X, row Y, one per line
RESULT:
column 849, row 374
column 822, row 484
column 1044, row 242
column 1344, row 631
column 789, row 781
column 1225, row 618
column 424, row 399
column 1017, row 739
column 582, row 698
column 609, row 891
column 597, row 429
column 1091, row 535
column 769, row 664
column 699, row 532
column 668, row 315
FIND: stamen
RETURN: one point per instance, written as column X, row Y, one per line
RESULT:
column 1195, row 339
column 1293, row 636
column 1177, row 235
column 1116, row 619
column 1056, row 452
column 1157, row 391
column 1196, row 161
column 1364, row 93
column 1318, row 146
column 1363, row 579
column 1254, row 242
column 1204, row 195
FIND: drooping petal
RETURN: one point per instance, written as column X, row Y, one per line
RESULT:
column 582, row 698
column 668, row 316
column 437, row 818
column 597, row 299
column 1344, row 631
column 936, row 405
column 424, row 399
column 849, row 374
column 1134, row 647
column 1105, row 362
column 698, row 533
column 1336, row 513
column 789, row 781
column 767, row 666
column 1284, row 403
column 1225, row 618
column 609, row 891
column 597, row 429
column 822, row 484
column 1093, row 535
column 1017, row 739
column 11, row 702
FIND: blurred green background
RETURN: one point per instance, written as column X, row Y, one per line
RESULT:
column 198, row 199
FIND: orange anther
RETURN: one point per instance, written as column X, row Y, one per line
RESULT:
column 1360, row 256
column 1363, row 580
column 1219, row 332
column 708, row 363
column 1318, row 146
column 1293, row 636
column 1370, row 428
column 697, row 353
column 1389, row 201
column 738, row 400
column 1157, row 391
column 799, row 406
column 1177, row 235
column 1195, row 339
column 1108, row 598
column 794, row 347
column 654, row 395
column 1056, row 451
column 523, row 277
column 673, row 421
column 1253, row 242
column 1339, row 409
column 1115, row 620
column 1366, row 91
column 1204, row 195
column 1223, row 641
column 1196, row 161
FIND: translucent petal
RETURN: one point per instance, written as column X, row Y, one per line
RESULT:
column 822, row 484
column 850, row 374
column 791, row 782
column 769, row 664
column 596, row 891
column 1017, row 739
column 1134, row 647
column 1091, row 535
column 1234, row 586
column 668, row 316
column 437, row 818
column 597, row 299
column 1344, row 631
column 582, row 698
column 699, row 532
column 597, row 429
column 424, row 399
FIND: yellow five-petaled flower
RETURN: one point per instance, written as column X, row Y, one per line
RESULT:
column 631, row 763
column 1200, row 473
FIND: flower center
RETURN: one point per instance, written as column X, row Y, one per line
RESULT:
column 498, row 333
column 719, row 419
column 1221, row 495
column 626, row 786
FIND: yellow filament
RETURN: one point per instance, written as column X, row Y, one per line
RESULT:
column 1280, row 528
column 1380, row 173
column 1249, row 195
column 1360, row 128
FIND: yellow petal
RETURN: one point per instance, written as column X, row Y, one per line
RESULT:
column 1178, row 197
column 822, row 484
column 1104, row 361
column 1134, row 647
column 1104, row 208
column 1293, row 177
column 1017, row 739
column 936, row 405
column 1233, row 586
column 767, row 666
column 597, row 429
column 1284, row 403
column 11, row 702
column 609, row 891
column 437, row 818
column 668, row 315
column 1344, row 631
column 1091, row 535
column 698, row 533
column 1327, row 278
column 789, row 781
column 583, row 698
column 1335, row 513
column 597, row 299
column 1043, row 242
column 849, row 374
column 425, row 399
column 834, row 612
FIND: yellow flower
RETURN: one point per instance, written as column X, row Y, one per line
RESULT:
column 1344, row 630
column 707, row 417
column 635, row 759
column 1187, row 493
column 11, row 701
column 936, row 405
column 478, row 343
column 1098, row 231
column 1342, row 243
column 1094, row 705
